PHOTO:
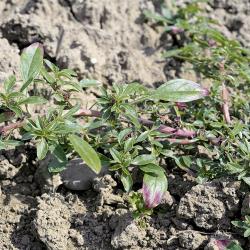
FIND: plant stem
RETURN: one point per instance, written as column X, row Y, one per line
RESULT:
column 95, row 113
column 225, row 105
column 4, row 130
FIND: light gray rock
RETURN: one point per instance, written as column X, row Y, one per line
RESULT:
column 78, row 176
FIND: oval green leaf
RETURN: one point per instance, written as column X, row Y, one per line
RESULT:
column 31, row 63
column 86, row 152
column 180, row 90
column 42, row 149
column 143, row 159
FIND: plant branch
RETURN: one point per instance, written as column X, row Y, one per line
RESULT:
column 225, row 105
column 4, row 130
column 95, row 113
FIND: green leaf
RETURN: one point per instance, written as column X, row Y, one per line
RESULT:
column 155, row 16
column 238, row 223
column 86, row 152
column 116, row 155
column 59, row 161
column 33, row 100
column 142, row 136
column 86, row 83
column 27, row 136
column 16, row 110
column 56, row 167
column 9, row 83
column 51, row 66
column 31, row 63
column 47, row 76
column 67, row 73
column 180, row 90
column 123, row 134
column 143, row 159
column 13, row 95
column 152, row 169
column 234, row 246
column 42, row 149
column 58, row 152
column 128, row 145
column 154, row 187
column 127, row 181
column 72, row 111
column 115, row 167
column 9, row 144
column 246, row 180
column 171, row 53
column 247, row 233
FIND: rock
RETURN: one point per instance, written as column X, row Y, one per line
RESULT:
column 127, row 234
column 191, row 239
column 210, row 204
column 245, row 209
column 7, row 170
column 167, row 200
column 52, row 222
column 78, row 176
column 47, row 182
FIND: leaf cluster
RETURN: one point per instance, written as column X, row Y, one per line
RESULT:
column 126, row 132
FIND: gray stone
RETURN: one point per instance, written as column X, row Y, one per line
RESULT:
column 78, row 176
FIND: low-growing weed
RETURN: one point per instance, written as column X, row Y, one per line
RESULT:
column 129, row 130
column 225, row 116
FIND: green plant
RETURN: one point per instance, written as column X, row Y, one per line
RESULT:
column 126, row 131
column 245, row 225
column 225, row 116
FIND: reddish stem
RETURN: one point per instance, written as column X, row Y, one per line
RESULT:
column 169, row 130
column 6, row 129
column 225, row 105
column 87, row 112
column 180, row 141
column 94, row 113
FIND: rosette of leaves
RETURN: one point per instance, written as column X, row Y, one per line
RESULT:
column 126, row 131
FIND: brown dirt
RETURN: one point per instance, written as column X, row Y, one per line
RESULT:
column 106, row 40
